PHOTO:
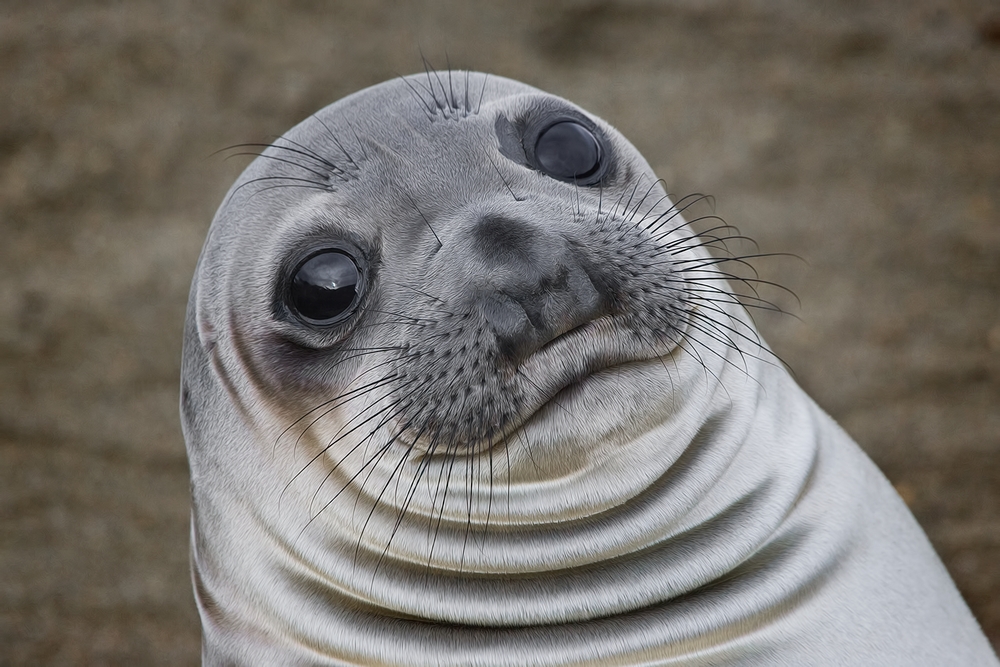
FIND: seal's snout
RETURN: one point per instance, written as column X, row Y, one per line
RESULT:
column 536, row 287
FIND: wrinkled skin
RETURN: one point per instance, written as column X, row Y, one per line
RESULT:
column 544, row 433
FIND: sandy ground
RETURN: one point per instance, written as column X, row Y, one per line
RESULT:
column 862, row 137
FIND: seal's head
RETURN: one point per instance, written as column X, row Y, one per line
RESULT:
column 448, row 346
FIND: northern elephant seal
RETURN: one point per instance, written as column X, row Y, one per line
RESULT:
column 460, row 387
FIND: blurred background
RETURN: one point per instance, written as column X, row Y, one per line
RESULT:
column 862, row 137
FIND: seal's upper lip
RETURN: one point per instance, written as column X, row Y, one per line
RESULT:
column 572, row 357
column 561, row 338
column 581, row 351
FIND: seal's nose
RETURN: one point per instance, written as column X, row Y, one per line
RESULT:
column 535, row 286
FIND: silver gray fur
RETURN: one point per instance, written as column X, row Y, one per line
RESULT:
column 547, row 436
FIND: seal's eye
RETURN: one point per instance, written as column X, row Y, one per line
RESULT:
column 568, row 151
column 324, row 288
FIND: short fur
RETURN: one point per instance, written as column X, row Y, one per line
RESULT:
column 548, row 435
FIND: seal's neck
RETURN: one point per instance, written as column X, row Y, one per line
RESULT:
column 647, row 520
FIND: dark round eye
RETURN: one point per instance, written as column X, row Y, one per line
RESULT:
column 568, row 151
column 324, row 287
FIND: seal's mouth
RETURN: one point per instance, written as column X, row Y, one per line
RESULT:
column 583, row 367
column 563, row 366
column 587, row 349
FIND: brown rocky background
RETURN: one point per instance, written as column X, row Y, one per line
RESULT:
column 862, row 137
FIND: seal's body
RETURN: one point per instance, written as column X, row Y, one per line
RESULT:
column 460, row 387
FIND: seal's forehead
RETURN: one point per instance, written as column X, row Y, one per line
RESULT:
column 436, row 142
column 435, row 137
column 401, row 131
column 441, row 122
column 428, row 96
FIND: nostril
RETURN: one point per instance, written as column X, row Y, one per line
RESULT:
column 514, row 331
column 559, row 280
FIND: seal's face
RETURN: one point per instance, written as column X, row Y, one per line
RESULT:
column 460, row 387
column 452, row 307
